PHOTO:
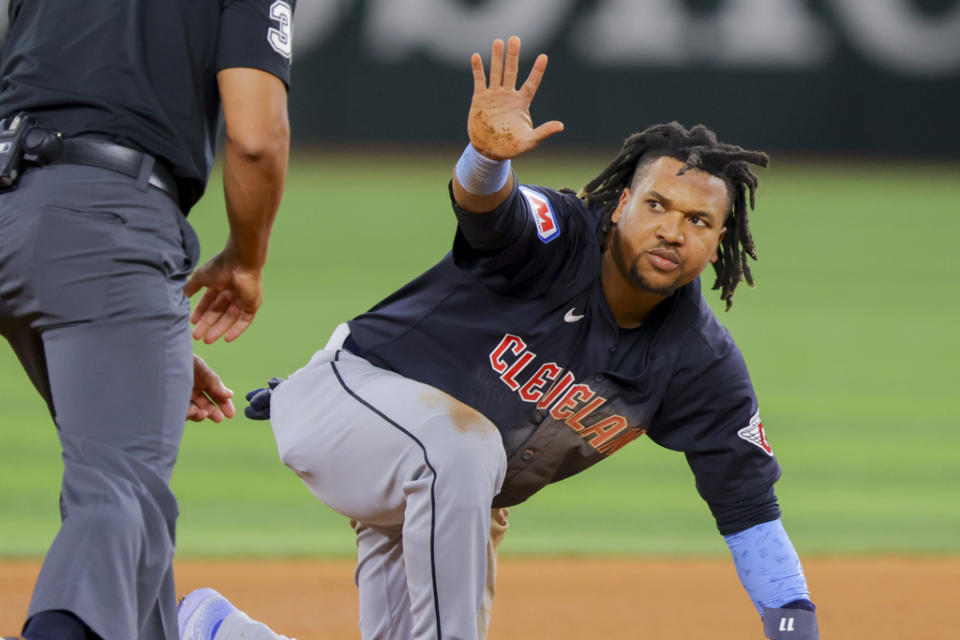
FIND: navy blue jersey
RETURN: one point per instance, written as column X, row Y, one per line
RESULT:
column 514, row 323
column 141, row 73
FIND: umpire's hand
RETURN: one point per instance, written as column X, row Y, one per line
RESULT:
column 210, row 397
column 233, row 296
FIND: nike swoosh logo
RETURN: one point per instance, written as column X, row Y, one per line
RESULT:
column 570, row 316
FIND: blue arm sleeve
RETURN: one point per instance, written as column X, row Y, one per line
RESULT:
column 768, row 565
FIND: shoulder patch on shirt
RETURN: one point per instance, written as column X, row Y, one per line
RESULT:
column 543, row 215
column 753, row 433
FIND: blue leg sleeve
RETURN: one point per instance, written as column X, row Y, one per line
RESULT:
column 768, row 565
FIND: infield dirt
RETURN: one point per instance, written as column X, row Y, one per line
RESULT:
column 904, row 598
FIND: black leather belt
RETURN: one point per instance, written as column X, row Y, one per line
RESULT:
column 115, row 157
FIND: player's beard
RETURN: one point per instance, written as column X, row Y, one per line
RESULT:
column 640, row 282
column 632, row 271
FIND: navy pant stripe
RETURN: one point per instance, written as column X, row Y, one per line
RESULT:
column 433, row 486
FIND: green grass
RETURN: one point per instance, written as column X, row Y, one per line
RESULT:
column 851, row 338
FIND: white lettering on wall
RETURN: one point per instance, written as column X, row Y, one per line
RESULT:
column 740, row 33
column 772, row 33
column 895, row 34
column 451, row 31
column 631, row 30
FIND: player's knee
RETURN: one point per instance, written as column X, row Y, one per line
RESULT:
column 300, row 463
column 289, row 455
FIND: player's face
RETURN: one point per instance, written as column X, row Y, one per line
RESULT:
column 668, row 227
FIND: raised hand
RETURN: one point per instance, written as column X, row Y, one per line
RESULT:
column 499, row 124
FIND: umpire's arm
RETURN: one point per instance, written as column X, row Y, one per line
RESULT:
column 255, row 157
column 254, row 170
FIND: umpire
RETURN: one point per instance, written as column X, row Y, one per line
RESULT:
column 111, row 111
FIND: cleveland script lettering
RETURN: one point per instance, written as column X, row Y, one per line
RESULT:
column 568, row 401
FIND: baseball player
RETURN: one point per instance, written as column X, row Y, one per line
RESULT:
column 110, row 111
column 560, row 328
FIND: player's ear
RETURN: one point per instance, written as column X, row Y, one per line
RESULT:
column 624, row 198
column 716, row 249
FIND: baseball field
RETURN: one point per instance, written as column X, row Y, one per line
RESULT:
column 852, row 341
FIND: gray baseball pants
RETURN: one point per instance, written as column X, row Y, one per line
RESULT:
column 92, row 265
column 417, row 471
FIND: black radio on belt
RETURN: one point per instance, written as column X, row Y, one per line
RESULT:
column 23, row 142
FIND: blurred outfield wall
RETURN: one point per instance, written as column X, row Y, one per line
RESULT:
column 864, row 77
column 837, row 76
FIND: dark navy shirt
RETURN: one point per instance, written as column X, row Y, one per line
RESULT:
column 514, row 323
column 141, row 73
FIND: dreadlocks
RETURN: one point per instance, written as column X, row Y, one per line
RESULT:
column 697, row 148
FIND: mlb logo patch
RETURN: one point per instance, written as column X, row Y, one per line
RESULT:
column 753, row 433
column 543, row 215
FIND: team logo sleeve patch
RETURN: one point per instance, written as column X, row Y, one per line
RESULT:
column 543, row 215
column 753, row 433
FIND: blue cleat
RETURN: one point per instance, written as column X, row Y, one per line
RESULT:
column 201, row 613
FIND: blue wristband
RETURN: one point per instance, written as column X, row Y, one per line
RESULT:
column 479, row 174
column 768, row 565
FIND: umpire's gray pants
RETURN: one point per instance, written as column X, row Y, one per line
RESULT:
column 92, row 266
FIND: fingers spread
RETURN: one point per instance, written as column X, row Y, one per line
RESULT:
column 238, row 327
column 210, row 310
column 547, row 129
column 226, row 320
column 479, row 77
column 512, row 63
column 529, row 88
column 496, row 63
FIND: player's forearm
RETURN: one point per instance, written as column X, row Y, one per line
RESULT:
column 771, row 573
column 254, row 172
column 734, row 517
